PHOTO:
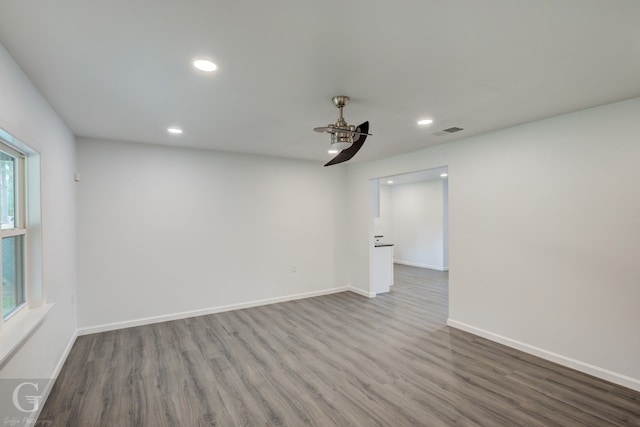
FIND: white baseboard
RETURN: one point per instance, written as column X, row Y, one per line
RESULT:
column 417, row 264
column 205, row 311
column 54, row 376
column 605, row 374
column 361, row 292
column 63, row 358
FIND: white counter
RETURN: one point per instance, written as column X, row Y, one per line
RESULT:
column 382, row 268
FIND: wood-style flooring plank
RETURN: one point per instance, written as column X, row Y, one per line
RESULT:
column 335, row 360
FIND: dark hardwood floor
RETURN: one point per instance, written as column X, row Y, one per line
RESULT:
column 340, row 359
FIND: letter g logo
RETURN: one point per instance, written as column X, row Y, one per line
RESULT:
column 34, row 400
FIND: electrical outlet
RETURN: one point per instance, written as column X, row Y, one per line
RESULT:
column 294, row 269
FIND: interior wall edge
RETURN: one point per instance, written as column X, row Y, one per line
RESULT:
column 203, row 312
column 361, row 292
column 421, row 265
column 53, row 377
column 595, row 371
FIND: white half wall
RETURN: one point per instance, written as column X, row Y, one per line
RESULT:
column 27, row 116
column 543, row 240
column 164, row 231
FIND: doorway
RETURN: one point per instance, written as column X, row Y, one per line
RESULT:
column 411, row 211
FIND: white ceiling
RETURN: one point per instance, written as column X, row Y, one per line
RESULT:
column 121, row 69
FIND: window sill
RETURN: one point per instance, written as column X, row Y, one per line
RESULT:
column 19, row 327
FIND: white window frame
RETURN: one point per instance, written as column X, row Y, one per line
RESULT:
column 20, row 225
column 20, row 325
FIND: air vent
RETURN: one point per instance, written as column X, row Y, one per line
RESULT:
column 447, row 131
column 453, row 129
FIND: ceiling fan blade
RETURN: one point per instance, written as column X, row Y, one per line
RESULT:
column 325, row 129
column 332, row 130
column 348, row 153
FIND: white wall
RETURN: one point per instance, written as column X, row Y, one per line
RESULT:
column 383, row 224
column 26, row 115
column 543, row 245
column 445, row 224
column 164, row 231
column 416, row 212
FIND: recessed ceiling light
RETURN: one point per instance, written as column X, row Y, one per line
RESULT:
column 204, row 65
column 174, row 130
column 444, row 175
column 424, row 122
column 333, row 151
column 389, row 182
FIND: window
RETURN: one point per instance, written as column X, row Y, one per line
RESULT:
column 22, row 297
column 13, row 229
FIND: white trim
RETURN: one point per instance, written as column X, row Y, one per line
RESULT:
column 12, row 232
column 417, row 264
column 361, row 292
column 605, row 374
column 19, row 328
column 54, row 376
column 63, row 358
column 203, row 312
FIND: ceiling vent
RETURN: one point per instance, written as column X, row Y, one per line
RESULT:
column 453, row 129
column 447, row 131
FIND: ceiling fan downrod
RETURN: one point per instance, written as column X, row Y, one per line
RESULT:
column 341, row 140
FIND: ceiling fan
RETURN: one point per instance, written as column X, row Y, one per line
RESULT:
column 345, row 139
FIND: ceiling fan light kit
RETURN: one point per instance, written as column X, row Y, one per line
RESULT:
column 345, row 138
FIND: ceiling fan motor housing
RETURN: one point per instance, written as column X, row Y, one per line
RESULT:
column 341, row 140
column 342, row 133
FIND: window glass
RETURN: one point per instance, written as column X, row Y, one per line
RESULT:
column 12, row 231
column 12, row 274
column 7, row 190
